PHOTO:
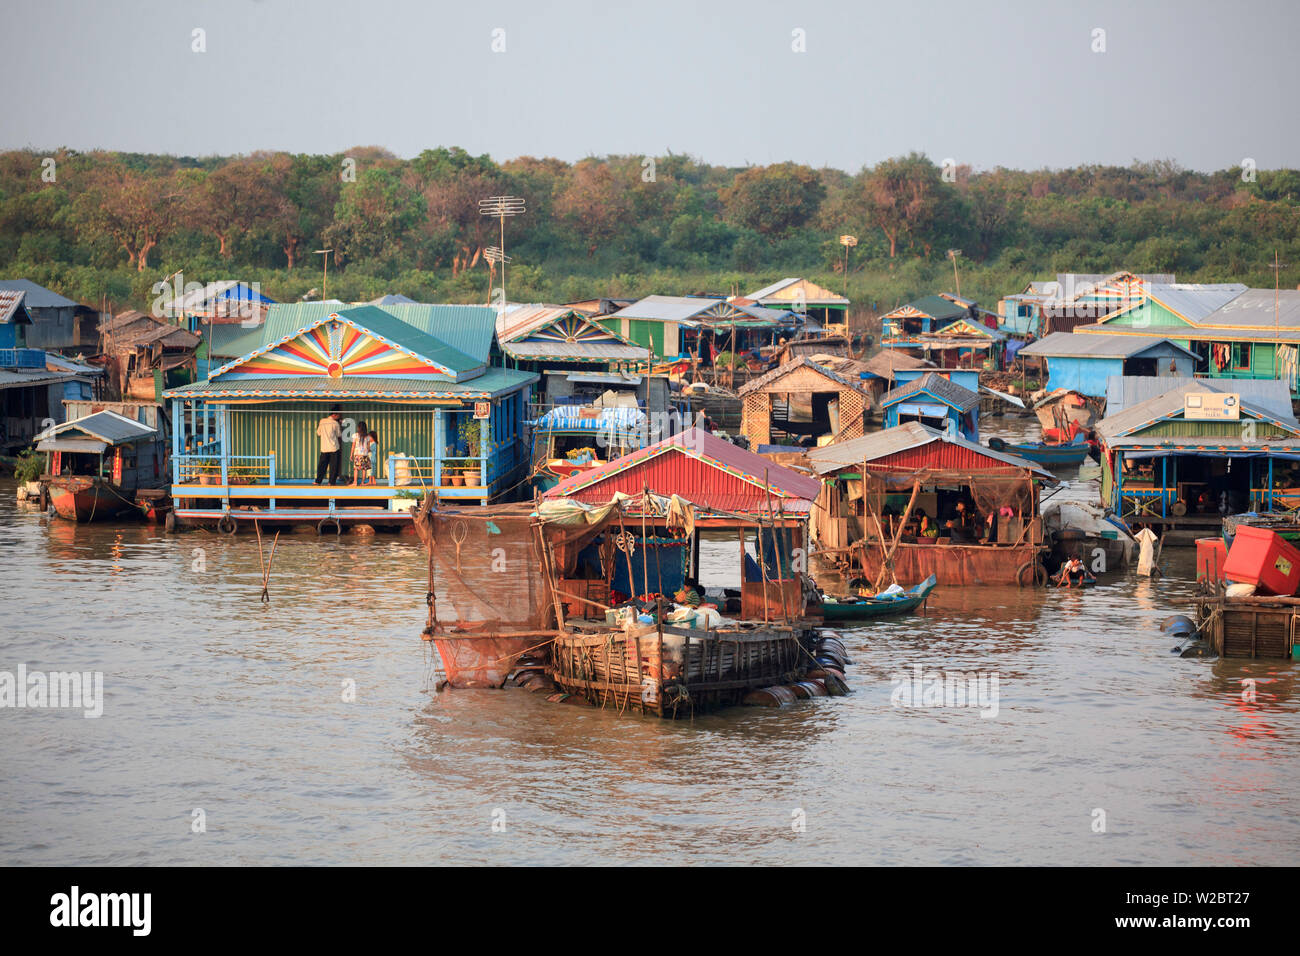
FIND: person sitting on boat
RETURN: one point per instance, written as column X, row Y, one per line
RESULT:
column 687, row 595
column 1072, row 573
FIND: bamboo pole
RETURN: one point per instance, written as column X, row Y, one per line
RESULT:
column 776, row 546
column 888, row 565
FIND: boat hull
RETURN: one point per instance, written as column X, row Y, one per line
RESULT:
column 871, row 607
column 88, row 499
column 1050, row 454
column 954, row 564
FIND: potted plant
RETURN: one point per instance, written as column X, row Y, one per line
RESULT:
column 451, row 470
column 29, row 467
column 209, row 471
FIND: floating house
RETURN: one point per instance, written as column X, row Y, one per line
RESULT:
column 806, row 298
column 58, row 324
column 97, row 464
column 730, row 489
column 700, row 327
column 143, row 355
column 881, row 371
column 245, row 442
column 887, row 499
column 946, row 328
column 1201, row 449
column 33, row 382
column 1084, row 363
column 834, row 404
column 230, row 300
column 1237, row 333
column 1072, row 299
column 935, row 401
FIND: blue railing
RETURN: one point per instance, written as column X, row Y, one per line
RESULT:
column 194, row 468
column 22, row 358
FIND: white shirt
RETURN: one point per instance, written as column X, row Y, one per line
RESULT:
column 330, row 434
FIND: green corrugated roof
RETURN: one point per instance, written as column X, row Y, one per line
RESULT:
column 939, row 308
column 466, row 328
column 493, row 382
column 230, row 340
column 378, row 321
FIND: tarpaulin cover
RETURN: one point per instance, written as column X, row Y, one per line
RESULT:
column 649, row 562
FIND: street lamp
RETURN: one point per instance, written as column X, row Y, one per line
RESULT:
column 953, row 254
column 324, row 281
column 848, row 242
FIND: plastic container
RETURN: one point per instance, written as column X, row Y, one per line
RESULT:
column 1211, row 555
column 1260, row 557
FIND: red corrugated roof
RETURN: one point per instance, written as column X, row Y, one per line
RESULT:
column 702, row 468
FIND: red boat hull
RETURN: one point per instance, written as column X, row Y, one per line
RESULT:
column 88, row 499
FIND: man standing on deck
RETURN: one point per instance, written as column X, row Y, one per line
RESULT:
column 331, row 447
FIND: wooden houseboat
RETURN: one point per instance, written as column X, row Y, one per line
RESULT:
column 245, row 444
column 935, row 400
column 887, row 499
column 97, row 465
column 516, row 589
column 832, row 404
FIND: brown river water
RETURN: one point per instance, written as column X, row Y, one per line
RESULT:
column 1105, row 748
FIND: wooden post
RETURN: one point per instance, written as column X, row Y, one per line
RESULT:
column 888, row 565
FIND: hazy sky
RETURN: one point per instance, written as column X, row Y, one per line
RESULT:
column 997, row 83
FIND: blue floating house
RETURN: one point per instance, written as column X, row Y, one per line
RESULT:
column 245, row 444
column 937, row 402
column 1084, row 363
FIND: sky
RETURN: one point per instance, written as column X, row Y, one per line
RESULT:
column 833, row 83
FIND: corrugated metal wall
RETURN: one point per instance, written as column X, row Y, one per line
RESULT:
column 289, row 429
column 1227, row 431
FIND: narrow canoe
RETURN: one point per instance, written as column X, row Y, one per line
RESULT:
column 850, row 609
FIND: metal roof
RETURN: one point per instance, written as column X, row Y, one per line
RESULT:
column 769, row 292
column 109, row 427
column 225, row 290
column 1170, row 403
column 466, row 328
column 25, row 378
column 230, row 339
column 1255, row 308
column 391, row 299
column 944, row 389
column 493, row 382
column 900, row 438
column 1125, row 391
column 780, row 371
column 1199, row 333
column 703, row 446
column 887, row 361
column 39, row 297
column 935, row 306
column 519, row 320
column 600, row 352
column 12, row 308
column 1067, row 344
column 1195, row 302
column 665, row 308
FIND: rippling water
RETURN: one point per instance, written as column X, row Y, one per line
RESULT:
column 217, row 702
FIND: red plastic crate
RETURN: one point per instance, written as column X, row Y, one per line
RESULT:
column 1264, row 559
column 1211, row 556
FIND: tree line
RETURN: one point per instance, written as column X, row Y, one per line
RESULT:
column 101, row 226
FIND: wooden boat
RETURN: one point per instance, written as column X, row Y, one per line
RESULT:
column 97, row 465
column 1046, row 453
column 85, row 498
column 861, row 608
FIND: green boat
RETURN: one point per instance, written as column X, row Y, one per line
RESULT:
column 859, row 609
